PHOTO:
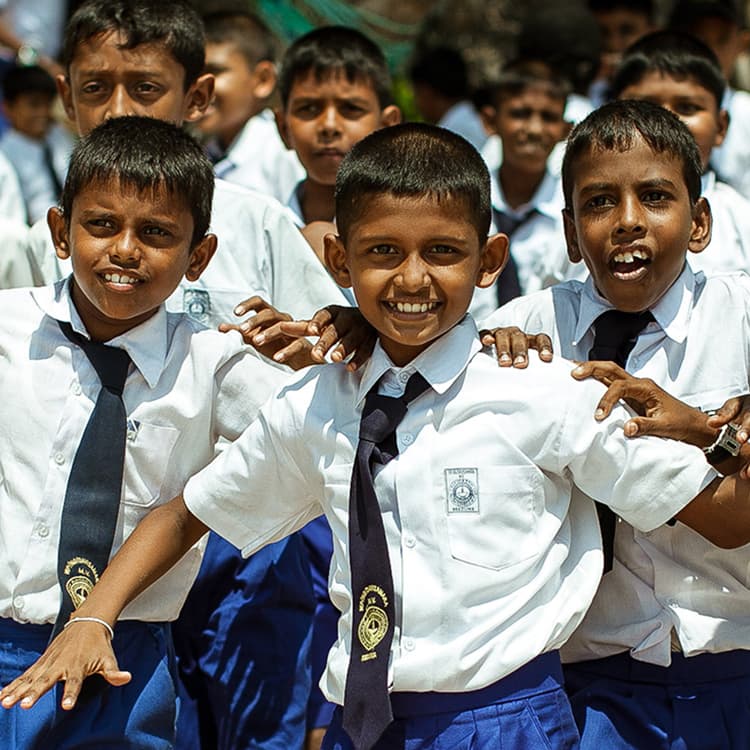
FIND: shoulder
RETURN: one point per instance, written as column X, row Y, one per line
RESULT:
column 710, row 288
column 538, row 308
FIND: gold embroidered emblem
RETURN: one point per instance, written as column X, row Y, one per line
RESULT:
column 374, row 623
column 84, row 576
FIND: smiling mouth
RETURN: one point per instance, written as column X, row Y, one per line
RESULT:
column 629, row 264
column 413, row 307
column 121, row 278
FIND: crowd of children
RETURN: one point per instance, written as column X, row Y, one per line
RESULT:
column 404, row 545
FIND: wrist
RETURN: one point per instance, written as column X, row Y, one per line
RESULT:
column 91, row 618
column 27, row 55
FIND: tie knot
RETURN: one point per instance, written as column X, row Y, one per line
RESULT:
column 615, row 333
column 381, row 415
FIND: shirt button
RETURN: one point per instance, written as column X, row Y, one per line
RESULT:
column 404, row 376
column 407, row 438
column 76, row 388
column 408, row 644
column 18, row 602
column 43, row 531
column 672, row 602
column 59, row 458
column 410, row 541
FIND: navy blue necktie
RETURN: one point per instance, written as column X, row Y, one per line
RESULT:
column 615, row 334
column 92, row 497
column 508, row 285
column 367, row 706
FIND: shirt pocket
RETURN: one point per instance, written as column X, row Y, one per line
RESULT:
column 503, row 530
column 148, row 450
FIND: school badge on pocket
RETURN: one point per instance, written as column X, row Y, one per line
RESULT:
column 462, row 490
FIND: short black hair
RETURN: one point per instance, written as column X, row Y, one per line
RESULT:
column 413, row 160
column 443, row 69
column 332, row 49
column 252, row 38
column 617, row 125
column 672, row 53
column 27, row 79
column 173, row 23
column 520, row 75
column 687, row 14
column 644, row 7
column 144, row 154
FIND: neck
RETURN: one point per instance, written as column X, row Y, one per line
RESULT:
column 519, row 186
column 317, row 201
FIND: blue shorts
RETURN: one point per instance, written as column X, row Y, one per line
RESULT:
column 698, row 703
column 138, row 716
column 527, row 710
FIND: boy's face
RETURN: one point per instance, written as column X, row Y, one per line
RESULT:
column 726, row 39
column 129, row 251
column 632, row 222
column 619, row 29
column 30, row 114
column 695, row 105
column 529, row 124
column 105, row 80
column 413, row 264
column 324, row 118
column 240, row 91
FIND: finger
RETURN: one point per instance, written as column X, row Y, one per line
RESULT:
column 543, row 344
column 726, row 413
column 253, row 303
column 611, row 397
column 116, row 677
column 363, row 353
column 519, row 346
column 267, row 335
column 322, row 318
column 503, row 347
column 291, row 350
column 297, row 328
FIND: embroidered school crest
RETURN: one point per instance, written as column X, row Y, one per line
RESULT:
column 374, row 623
column 462, row 490
column 197, row 304
column 83, row 576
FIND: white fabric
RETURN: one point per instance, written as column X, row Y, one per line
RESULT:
column 670, row 577
column 14, row 266
column 190, row 389
column 27, row 157
column 258, row 159
column 11, row 200
column 509, row 572
column 463, row 118
column 260, row 252
column 731, row 160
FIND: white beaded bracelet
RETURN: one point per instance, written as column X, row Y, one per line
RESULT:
column 92, row 619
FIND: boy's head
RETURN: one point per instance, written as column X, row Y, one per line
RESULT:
column 440, row 79
column 28, row 94
column 621, row 23
column 528, row 113
column 335, row 89
column 240, row 54
column 134, row 57
column 680, row 73
column 720, row 24
column 632, row 179
column 413, row 212
column 133, row 218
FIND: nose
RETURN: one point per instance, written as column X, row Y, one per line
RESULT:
column 534, row 124
column 413, row 275
column 126, row 250
column 119, row 104
column 328, row 122
column 630, row 219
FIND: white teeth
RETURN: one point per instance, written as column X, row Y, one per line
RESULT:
column 117, row 278
column 415, row 307
column 628, row 257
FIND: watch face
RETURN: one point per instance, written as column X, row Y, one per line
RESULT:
column 27, row 55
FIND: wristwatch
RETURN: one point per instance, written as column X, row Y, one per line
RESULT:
column 27, row 55
column 724, row 446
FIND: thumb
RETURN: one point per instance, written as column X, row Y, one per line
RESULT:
column 726, row 413
column 116, row 677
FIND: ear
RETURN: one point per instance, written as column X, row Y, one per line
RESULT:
column 571, row 236
column 264, row 79
column 200, row 255
column 494, row 257
column 335, row 258
column 66, row 97
column 198, row 97
column 700, row 234
column 723, row 123
column 489, row 117
column 391, row 115
column 59, row 232
column 280, row 116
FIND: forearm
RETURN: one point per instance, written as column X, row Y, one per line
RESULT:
column 157, row 543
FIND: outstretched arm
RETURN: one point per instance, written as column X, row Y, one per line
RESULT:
column 83, row 648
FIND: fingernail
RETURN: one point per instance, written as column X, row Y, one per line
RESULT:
column 67, row 702
column 742, row 436
column 505, row 358
column 520, row 359
column 546, row 352
column 578, row 370
column 599, row 414
column 26, row 701
column 239, row 310
column 259, row 339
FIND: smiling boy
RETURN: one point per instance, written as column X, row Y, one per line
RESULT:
column 491, row 550
column 661, row 658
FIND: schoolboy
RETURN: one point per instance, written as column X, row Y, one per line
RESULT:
column 34, row 144
column 243, row 141
column 722, row 26
column 663, row 650
column 133, row 219
column 528, row 114
column 335, row 89
column 490, row 571
column 679, row 72
column 127, row 57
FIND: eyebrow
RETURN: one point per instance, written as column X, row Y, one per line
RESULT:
column 656, row 182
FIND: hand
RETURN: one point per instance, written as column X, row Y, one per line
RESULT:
column 80, row 650
column 341, row 331
column 512, row 345
column 659, row 413
column 737, row 411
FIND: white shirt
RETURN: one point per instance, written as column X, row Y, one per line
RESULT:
column 258, row 159
column 485, row 579
column 27, row 157
column 260, row 251
column 463, row 118
column 11, row 200
column 188, row 390
column 731, row 160
column 14, row 265
column 729, row 249
column 670, row 577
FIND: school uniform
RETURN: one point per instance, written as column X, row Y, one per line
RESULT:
column 667, row 632
column 731, row 160
column 729, row 249
column 11, row 200
column 494, row 556
column 187, row 390
column 258, row 159
column 462, row 118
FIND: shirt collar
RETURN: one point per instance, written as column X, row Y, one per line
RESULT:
column 146, row 343
column 546, row 200
column 440, row 364
column 708, row 181
column 671, row 312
